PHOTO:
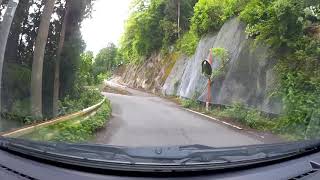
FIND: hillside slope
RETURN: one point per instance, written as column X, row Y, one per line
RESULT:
column 248, row 77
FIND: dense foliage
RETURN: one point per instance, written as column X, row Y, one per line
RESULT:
column 94, row 69
column 209, row 15
column 291, row 28
column 222, row 56
column 85, row 98
column 75, row 131
column 105, row 62
column 85, row 73
column 188, row 43
column 20, row 50
column 152, row 25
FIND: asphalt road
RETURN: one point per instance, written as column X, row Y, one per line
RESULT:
column 142, row 119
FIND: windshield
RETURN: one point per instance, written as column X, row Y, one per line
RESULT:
column 160, row 73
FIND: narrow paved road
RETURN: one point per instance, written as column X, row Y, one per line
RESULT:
column 142, row 119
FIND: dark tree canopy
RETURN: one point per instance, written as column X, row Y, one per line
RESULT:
column 19, row 51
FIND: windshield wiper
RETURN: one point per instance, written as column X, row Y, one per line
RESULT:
column 173, row 158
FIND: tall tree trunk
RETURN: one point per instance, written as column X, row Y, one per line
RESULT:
column 37, row 64
column 22, row 11
column 178, row 21
column 4, row 32
column 56, row 83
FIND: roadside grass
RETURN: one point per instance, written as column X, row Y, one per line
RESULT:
column 85, row 97
column 76, row 130
column 245, row 117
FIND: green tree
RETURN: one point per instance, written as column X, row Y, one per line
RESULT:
column 74, row 46
column 176, row 20
column 106, row 60
column 209, row 15
column 85, row 74
column 19, row 53
column 154, row 25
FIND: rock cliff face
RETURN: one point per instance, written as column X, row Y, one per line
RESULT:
column 248, row 78
column 152, row 74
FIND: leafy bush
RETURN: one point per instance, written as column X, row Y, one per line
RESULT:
column 21, row 108
column 209, row 15
column 274, row 22
column 193, row 102
column 236, row 111
column 86, row 98
column 85, row 74
column 84, row 130
column 102, row 76
column 247, row 116
column 221, row 55
column 16, row 94
column 74, row 131
column 189, row 103
column 255, row 119
column 188, row 43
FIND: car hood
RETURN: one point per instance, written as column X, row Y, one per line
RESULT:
column 171, row 158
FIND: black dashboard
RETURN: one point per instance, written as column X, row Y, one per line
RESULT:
column 14, row 167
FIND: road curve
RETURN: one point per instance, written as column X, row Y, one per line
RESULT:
column 142, row 119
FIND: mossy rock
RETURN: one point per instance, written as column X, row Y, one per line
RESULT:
column 170, row 60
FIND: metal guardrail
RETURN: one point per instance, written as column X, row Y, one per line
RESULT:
column 30, row 128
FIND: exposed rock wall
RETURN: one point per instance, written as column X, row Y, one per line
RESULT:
column 150, row 75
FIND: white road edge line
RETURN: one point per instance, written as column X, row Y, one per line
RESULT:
column 237, row 127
